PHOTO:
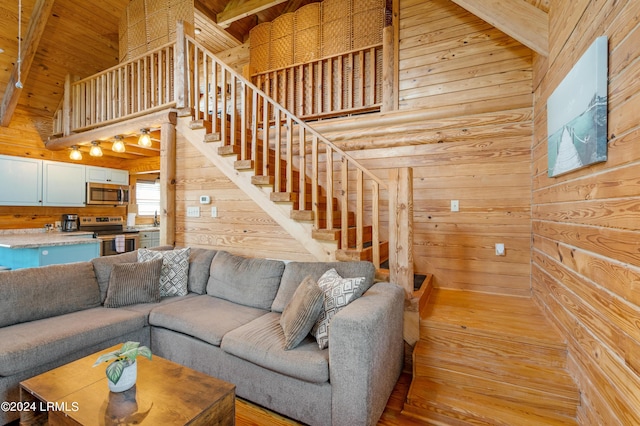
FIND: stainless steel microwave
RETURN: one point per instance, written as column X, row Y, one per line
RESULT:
column 107, row 194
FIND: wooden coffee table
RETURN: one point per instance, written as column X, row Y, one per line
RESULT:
column 165, row 393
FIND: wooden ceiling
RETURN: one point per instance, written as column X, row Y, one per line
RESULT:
column 82, row 40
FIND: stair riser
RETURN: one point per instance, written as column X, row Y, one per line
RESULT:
column 514, row 394
column 479, row 347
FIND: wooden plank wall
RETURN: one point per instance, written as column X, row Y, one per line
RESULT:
column 465, row 127
column 241, row 227
column 586, row 262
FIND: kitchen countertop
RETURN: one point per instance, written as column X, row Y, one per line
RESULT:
column 45, row 239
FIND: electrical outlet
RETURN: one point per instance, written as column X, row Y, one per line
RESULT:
column 193, row 211
column 455, row 206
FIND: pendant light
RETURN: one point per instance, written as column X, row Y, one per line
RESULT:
column 118, row 145
column 75, row 153
column 95, row 150
column 145, row 138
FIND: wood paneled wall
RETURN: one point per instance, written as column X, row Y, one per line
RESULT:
column 241, row 227
column 465, row 126
column 586, row 262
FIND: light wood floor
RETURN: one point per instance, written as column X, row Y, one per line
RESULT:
column 248, row 414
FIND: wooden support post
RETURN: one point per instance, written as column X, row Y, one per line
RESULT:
column 401, row 228
column 389, row 93
column 168, row 184
column 66, row 106
column 180, row 72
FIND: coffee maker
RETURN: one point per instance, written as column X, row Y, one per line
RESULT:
column 70, row 222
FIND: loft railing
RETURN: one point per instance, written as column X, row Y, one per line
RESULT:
column 303, row 165
column 132, row 88
column 342, row 84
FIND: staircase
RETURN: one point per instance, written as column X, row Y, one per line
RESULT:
column 489, row 360
column 281, row 162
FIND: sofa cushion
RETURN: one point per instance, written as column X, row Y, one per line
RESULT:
column 199, row 266
column 338, row 293
column 262, row 342
column 301, row 313
column 28, row 345
column 102, row 267
column 246, row 281
column 132, row 283
column 203, row 317
column 295, row 272
column 174, row 276
column 35, row 293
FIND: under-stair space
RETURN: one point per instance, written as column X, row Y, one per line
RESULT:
column 485, row 359
column 285, row 187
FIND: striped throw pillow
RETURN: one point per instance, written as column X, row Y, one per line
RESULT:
column 132, row 283
column 301, row 312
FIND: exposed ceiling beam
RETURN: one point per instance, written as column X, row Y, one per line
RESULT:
column 236, row 10
column 517, row 18
column 37, row 24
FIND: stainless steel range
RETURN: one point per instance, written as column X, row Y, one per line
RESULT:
column 110, row 230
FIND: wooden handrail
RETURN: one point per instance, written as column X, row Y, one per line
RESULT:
column 236, row 108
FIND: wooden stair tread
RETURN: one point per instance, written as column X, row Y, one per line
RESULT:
column 512, row 317
column 432, row 401
column 512, row 372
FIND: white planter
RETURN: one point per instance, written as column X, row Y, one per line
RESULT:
column 127, row 380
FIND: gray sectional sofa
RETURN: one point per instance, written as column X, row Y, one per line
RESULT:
column 227, row 325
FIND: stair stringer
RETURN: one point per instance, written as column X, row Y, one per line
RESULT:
column 281, row 213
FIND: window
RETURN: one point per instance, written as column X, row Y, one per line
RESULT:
column 148, row 197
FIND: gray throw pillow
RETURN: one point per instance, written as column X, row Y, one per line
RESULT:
column 132, row 283
column 301, row 313
column 175, row 269
column 338, row 293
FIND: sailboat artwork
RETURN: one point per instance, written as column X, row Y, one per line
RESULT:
column 577, row 114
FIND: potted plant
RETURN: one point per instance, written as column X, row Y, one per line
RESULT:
column 123, row 371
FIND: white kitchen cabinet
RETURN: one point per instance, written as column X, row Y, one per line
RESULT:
column 63, row 184
column 20, row 181
column 106, row 175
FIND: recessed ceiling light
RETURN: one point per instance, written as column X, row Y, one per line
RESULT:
column 1, row 50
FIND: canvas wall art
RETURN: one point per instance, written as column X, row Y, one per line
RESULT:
column 577, row 113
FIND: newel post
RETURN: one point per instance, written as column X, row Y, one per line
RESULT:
column 180, row 71
column 168, row 181
column 401, row 228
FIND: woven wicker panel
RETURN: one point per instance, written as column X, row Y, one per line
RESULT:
column 180, row 10
column 282, row 26
column 307, row 17
column 336, row 9
column 306, row 45
column 260, row 34
column 364, row 5
column 137, row 35
column 367, row 27
column 336, row 37
column 157, row 27
column 259, row 58
column 154, row 44
column 137, row 51
column 155, row 6
column 281, row 52
column 135, row 12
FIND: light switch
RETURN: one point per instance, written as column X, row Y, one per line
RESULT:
column 500, row 249
column 455, row 206
column 193, row 211
column 214, row 211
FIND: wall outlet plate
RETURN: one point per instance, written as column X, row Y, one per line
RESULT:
column 214, row 211
column 193, row 211
column 500, row 249
column 455, row 205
